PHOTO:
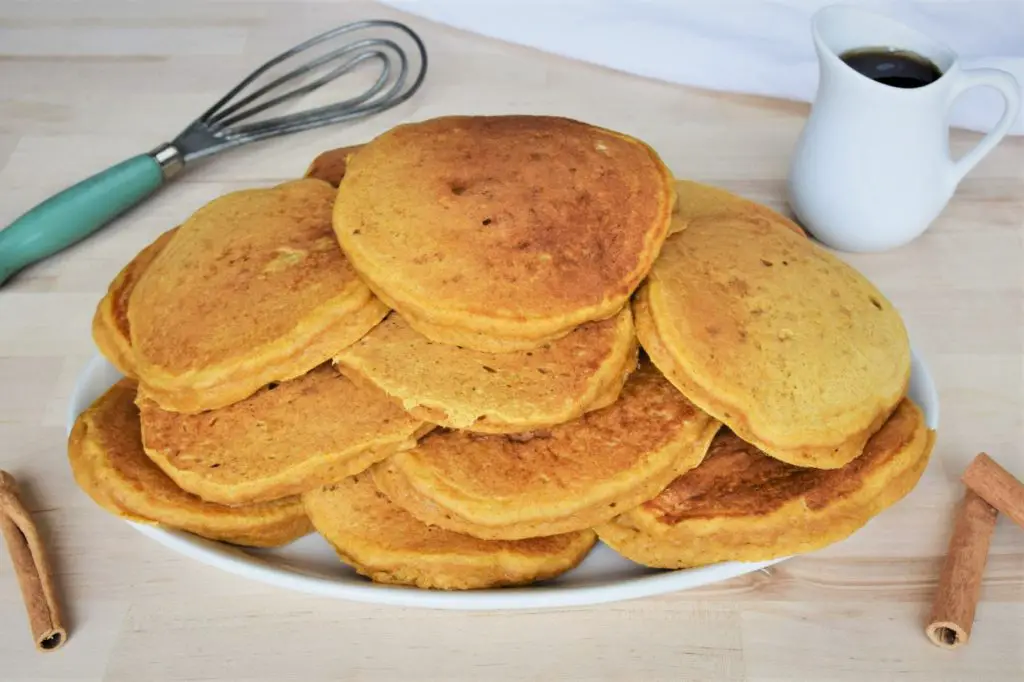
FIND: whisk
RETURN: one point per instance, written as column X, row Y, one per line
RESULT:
column 82, row 209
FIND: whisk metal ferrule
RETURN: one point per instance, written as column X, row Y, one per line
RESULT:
column 170, row 159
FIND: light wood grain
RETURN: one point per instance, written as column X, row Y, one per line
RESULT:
column 84, row 84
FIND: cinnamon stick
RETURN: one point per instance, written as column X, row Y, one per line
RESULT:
column 997, row 486
column 31, row 567
column 960, row 582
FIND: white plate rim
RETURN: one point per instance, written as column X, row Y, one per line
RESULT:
column 240, row 562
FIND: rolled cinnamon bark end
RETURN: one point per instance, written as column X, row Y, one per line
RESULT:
column 997, row 486
column 947, row 635
column 32, row 568
column 956, row 600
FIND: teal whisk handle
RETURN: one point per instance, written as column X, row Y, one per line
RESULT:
column 77, row 212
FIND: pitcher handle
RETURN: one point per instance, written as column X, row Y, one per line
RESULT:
column 1007, row 86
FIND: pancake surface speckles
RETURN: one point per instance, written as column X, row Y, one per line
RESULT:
column 108, row 462
column 787, row 345
column 388, row 545
column 500, row 233
column 741, row 505
column 110, row 328
column 281, row 441
column 252, row 289
column 462, row 388
column 570, row 477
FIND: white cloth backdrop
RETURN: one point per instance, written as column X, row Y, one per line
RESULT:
column 761, row 47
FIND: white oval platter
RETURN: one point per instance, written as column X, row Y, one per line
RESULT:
column 310, row 564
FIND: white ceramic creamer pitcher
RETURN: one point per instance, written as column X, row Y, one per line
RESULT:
column 872, row 167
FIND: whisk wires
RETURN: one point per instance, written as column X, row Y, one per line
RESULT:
column 222, row 125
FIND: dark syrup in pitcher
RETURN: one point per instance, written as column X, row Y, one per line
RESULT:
column 897, row 68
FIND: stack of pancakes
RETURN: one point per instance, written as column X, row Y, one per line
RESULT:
column 429, row 351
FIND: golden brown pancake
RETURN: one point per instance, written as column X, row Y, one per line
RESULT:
column 110, row 323
column 330, row 165
column 283, row 440
column 110, row 328
column 570, row 477
column 787, row 345
column 252, row 289
column 461, row 388
column 696, row 201
column 387, row 544
column 501, row 233
column 741, row 505
column 105, row 450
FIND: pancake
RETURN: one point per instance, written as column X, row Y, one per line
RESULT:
column 461, row 388
column 108, row 463
column 500, row 233
column 769, row 333
column 568, row 478
column 110, row 329
column 741, row 505
column 253, row 289
column 283, row 440
column 696, row 201
column 330, row 165
column 388, row 545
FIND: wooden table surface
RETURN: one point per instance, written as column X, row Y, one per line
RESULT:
column 85, row 84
